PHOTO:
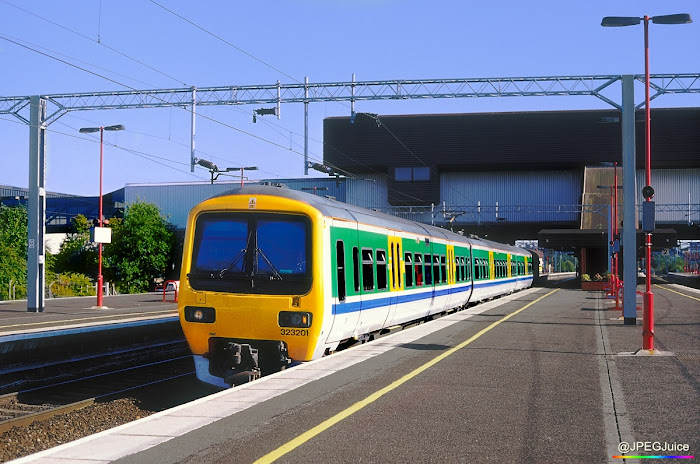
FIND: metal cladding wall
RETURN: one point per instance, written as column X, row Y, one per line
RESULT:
column 175, row 200
column 676, row 193
column 324, row 186
column 521, row 196
column 369, row 191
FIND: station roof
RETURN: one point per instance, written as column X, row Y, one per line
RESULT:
column 540, row 140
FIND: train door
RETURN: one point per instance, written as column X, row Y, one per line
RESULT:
column 396, row 275
column 346, row 291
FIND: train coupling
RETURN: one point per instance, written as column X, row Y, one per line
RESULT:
column 236, row 363
column 241, row 361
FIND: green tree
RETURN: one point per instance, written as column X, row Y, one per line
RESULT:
column 77, row 253
column 13, row 250
column 141, row 248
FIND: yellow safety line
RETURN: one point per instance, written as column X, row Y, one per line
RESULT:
column 82, row 319
column 328, row 423
column 679, row 293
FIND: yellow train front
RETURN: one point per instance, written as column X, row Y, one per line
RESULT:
column 251, row 294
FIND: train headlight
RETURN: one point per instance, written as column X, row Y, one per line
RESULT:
column 200, row 314
column 294, row 319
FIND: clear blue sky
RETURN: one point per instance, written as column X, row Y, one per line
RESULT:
column 326, row 40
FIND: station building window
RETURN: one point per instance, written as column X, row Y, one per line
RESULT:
column 412, row 174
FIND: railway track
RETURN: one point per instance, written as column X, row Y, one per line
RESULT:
column 24, row 407
column 26, row 376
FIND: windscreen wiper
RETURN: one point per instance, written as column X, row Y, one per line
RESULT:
column 275, row 273
column 232, row 262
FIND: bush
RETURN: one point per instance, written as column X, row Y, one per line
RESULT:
column 70, row 284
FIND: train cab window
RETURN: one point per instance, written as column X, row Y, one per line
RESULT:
column 418, row 267
column 443, row 269
column 367, row 269
column 428, row 270
column 408, row 267
column 381, row 270
column 340, row 269
column 259, row 253
column 356, row 268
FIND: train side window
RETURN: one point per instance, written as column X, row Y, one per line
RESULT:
column 340, row 270
column 436, row 269
column 428, row 270
column 476, row 269
column 367, row 269
column 408, row 266
column 443, row 269
column 356, row 268
column 418, row 266
column 381, row 270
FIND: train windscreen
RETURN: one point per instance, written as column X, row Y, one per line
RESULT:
column 256, row 253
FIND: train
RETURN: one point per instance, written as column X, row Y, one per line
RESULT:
column 273, row 276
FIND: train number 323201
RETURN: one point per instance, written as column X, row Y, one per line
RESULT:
column 295, row 332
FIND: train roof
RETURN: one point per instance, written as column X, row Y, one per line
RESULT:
column 344, row 211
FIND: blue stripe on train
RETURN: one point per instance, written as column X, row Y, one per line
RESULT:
column 393, row 298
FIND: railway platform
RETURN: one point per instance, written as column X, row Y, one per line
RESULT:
column 544, row 375
column 79, row 312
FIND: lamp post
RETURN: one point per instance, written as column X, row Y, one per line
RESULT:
column 648, row 192
column 101, row 129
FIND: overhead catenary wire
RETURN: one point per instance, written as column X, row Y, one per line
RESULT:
column 347, row 174
column 97, row 41
column 197, row 26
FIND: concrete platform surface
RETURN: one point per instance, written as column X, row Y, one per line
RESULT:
column 79, row 312
column 531, row 378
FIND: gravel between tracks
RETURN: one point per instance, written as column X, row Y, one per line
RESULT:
column 23, row 441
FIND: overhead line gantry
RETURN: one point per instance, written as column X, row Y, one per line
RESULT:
column 45, row 109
